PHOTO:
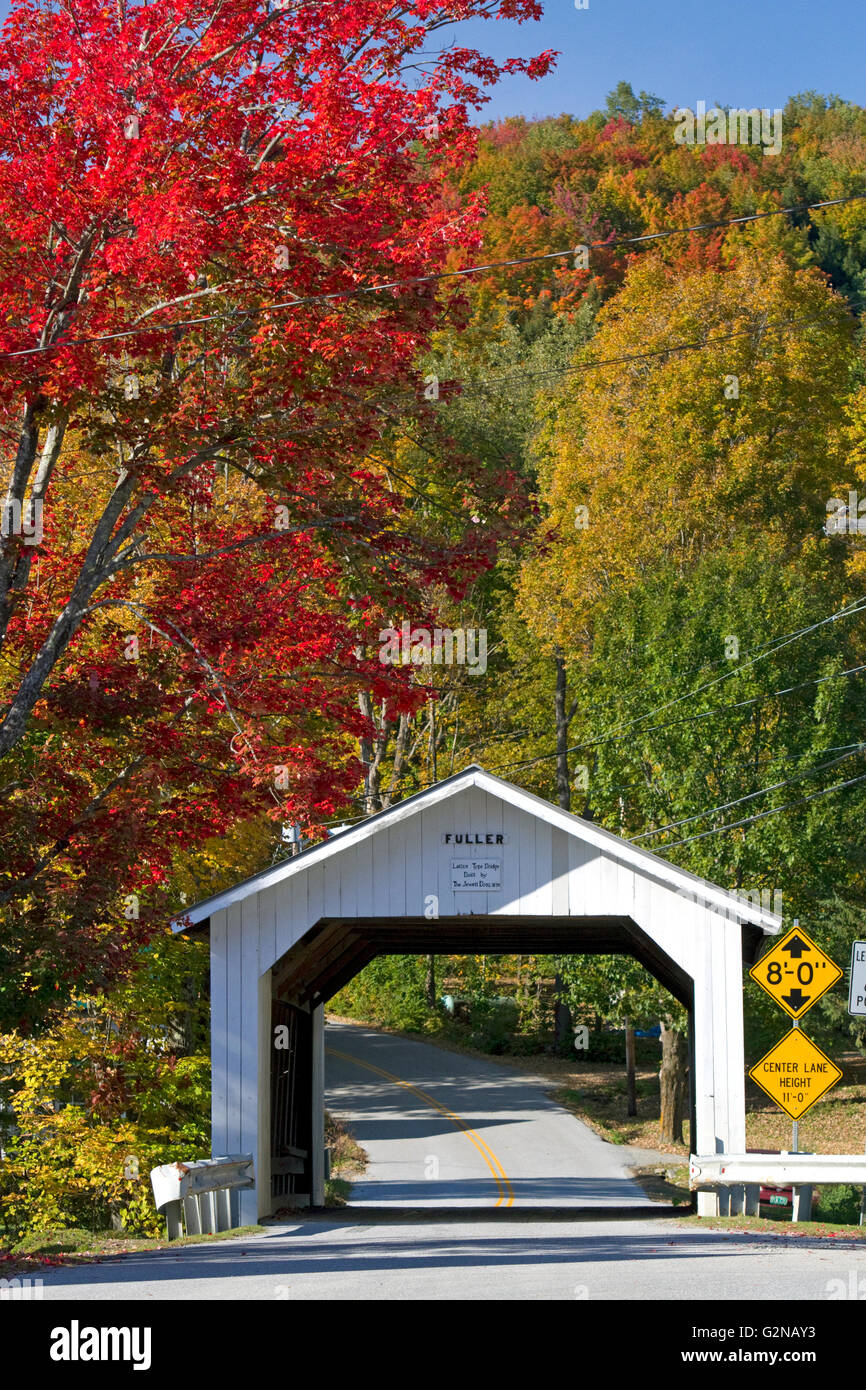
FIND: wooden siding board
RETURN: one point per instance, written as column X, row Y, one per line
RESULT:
column 364, row 871
column 433, row 858
column 510, row 896
column 413, row 896
column 219, row 1032
column 527, row 860
column 234, row 1028
column 268, row 927
column 249, row 1071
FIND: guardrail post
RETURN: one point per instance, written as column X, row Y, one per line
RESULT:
column 208, row 1202
column 173, row 1220
column 753, row 1198
column 802, row 1201
column 738, row 1200
column 192, row 1215
column 223, row 1210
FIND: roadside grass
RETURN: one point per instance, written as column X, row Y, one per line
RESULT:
column 779, row 1227
column 44, row 1249
column 348, row 1161
column 669, row 1184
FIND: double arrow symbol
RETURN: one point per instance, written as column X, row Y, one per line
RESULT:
column 796, row 947
column 795, row 959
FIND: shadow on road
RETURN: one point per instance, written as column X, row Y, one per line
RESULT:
column 317, row 1249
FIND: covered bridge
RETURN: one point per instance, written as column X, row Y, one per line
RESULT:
column 471, row 865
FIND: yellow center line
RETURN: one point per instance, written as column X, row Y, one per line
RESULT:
column 496, row 1168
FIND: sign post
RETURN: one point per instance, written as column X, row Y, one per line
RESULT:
column 795, row 1124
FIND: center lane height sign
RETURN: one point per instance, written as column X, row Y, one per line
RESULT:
column 795, row 1073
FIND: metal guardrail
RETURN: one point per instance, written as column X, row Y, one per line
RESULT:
column 197, row 1195
column 775, row 1170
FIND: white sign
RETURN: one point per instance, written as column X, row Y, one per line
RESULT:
column 857, row 992
column 479, row 874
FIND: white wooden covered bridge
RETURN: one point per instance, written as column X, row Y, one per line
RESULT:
column 472, row 865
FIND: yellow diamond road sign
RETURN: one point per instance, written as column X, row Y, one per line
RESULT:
column 795, row 973
column 795, row 1073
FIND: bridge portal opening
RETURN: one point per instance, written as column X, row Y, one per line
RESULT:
column 333, row 952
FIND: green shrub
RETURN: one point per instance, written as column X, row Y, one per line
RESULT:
column 119, row 1085
column 839, row 1202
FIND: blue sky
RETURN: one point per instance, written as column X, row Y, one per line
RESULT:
column 739, row 52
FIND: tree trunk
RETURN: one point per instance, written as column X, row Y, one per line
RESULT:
column 431, row 981
column 631, row 1089
column 562, row 1021
column 673, row 1083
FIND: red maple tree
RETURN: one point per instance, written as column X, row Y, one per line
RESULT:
column 195, row 380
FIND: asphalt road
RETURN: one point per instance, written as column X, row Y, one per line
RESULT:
column 444, row 1130
column 478, row 1188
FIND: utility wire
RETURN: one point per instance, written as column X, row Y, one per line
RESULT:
column 856, row 606
column 774, row 644
column 762, row 791
column 693, row 718
column 762, row 815
column 299, row 302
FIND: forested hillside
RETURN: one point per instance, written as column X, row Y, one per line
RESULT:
column 676, row 640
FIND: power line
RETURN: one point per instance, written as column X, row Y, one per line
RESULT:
column 762, row 815
column 856, row 607
column 656, row 728
column 299, row 302
column 773, row 645
column 767, row 649
column 763, row 791
column 693, row 718
column 661, row 849
column 469, row 386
